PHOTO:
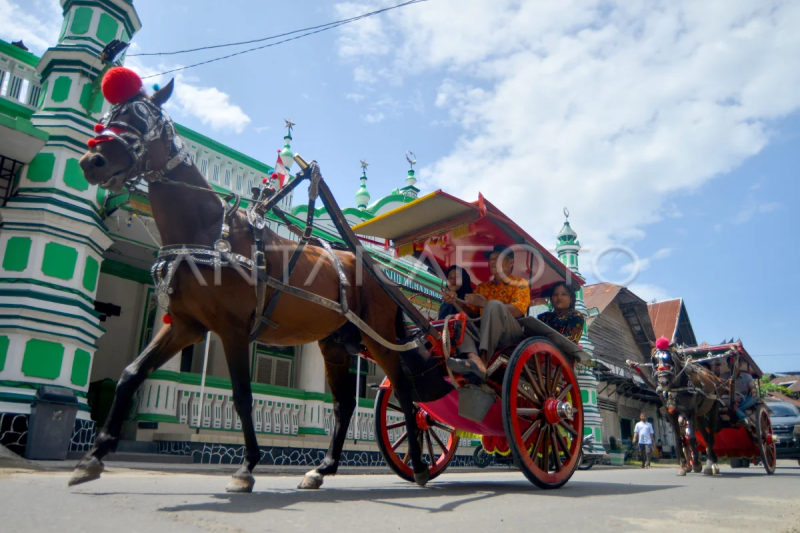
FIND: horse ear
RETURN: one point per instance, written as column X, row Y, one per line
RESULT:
column 162, row 95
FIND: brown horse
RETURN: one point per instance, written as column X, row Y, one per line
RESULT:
column 144, row 140
column 691, row 391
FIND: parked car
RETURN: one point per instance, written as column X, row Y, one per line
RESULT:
column 785, row 419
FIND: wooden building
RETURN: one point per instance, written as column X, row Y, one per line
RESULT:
column 620, row 330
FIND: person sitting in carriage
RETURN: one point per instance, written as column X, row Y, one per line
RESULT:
column 746, row 393
column 563, row 318
column 499, row 302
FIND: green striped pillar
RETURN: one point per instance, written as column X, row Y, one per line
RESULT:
column 53, row 237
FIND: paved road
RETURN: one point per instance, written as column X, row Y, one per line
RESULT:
column 601, row 499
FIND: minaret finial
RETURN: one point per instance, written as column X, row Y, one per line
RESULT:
column 566, row 213
column 364, row 166
column 289, row 125
column 411, row 158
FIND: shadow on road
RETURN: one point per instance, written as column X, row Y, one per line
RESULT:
column 402, row 496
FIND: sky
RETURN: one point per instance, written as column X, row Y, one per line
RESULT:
column 669, row 129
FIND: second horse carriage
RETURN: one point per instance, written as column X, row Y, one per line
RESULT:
column 714, row 404
column 530, row 400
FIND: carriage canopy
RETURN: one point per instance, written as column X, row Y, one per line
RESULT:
column 442, row 229
column 703, row 351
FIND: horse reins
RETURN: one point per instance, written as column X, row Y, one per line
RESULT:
column 265, row 200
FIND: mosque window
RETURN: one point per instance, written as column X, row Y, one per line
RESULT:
column 204, row 167
column 215, row 174
column 238, row 182
column 227, row 181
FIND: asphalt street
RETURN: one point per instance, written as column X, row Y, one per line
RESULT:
column 602, row 499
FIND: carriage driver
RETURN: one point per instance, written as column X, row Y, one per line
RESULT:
column 499, row 302
column 746, row 393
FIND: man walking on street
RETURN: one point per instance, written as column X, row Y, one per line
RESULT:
column 644, row 434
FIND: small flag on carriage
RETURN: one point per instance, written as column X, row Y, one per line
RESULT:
column 281, row 171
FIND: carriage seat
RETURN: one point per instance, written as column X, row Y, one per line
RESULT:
column 533, row 327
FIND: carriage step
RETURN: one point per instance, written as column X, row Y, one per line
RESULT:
column 127, row 457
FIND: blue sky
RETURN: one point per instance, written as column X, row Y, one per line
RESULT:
column 670, row 128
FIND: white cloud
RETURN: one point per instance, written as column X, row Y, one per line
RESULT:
column 366, row 37
column 209, row 105
column 363, row 75
column 261, row 129
column 355, row 97
column 38, row 23
column 748, row 212
column 644, row 262
column 649, row 292
column 373, row 118
column 608, row 107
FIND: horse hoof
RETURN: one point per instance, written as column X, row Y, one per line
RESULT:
column 86, row 471
column 708, row 471
column 422, row 478
column 311, row 481
column 697, row 469
column 681, row 472
column 241, row 484
column 715, row 470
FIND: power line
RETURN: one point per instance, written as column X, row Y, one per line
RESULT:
column 325, row 26
column 319, row 29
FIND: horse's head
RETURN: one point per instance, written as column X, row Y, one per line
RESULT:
column 665, row 364
column 135, row 138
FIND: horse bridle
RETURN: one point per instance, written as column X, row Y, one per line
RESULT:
column 137, row 143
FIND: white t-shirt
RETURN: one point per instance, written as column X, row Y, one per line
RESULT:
column 645, row 431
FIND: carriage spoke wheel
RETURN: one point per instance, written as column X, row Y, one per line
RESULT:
column 542, row 413
column 438, row 441
column 766, row 441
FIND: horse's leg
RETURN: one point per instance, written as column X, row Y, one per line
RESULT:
column 390, row 362
column 676, row 431
column 237, row 354
column 709, row 438
column 343, row 390
column 170, row 340
column 696, row 466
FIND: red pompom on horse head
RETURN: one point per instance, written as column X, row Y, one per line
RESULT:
column 662, row 343
column 120, row 84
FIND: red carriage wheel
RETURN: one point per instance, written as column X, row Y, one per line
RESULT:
column 438, row 441
column 542, row 413
column 766, row 440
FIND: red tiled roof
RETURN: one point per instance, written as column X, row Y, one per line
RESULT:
column 664, row 316
column 600, row 295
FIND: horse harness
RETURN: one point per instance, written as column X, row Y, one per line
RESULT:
column 264, row 200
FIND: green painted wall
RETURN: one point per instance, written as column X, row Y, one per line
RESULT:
column 61, row 88
column 86, row 99
column 82, row 20
column 90, row 273
column 41, row 167
column 42, row 359
column 107, row 28
column 18, row 250
column 73, row 175
column 80, row 368
column 42, row 95
column 59, row 260
column 3, row 351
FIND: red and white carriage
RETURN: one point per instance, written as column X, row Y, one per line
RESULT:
column 742, row 445
column 531, row 402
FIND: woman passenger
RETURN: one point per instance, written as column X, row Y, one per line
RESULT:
column 564, row 318
column 458, row 281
